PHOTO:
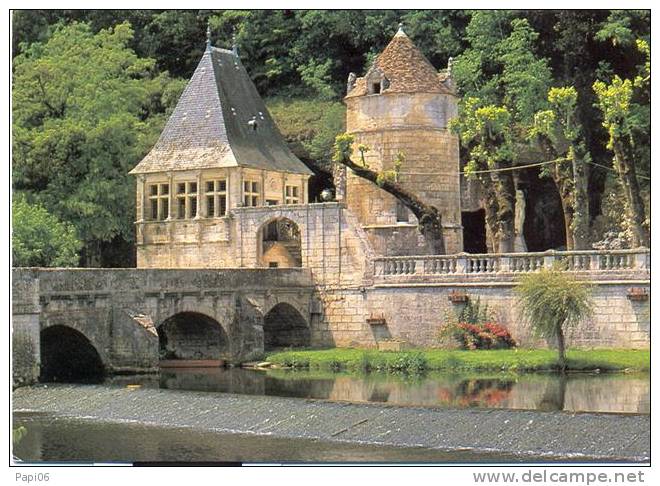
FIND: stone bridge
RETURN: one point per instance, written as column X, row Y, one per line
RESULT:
column 87, row 321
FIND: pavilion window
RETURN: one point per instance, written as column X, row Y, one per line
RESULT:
column 250, row 193
column 159, row 201
column 216, row 198
column 292, row 194
column 186, row 200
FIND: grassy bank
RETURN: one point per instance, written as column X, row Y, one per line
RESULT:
column 513, row 360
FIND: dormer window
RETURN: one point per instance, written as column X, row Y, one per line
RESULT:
column 375, row 88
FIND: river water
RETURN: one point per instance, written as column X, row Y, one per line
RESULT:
column 56, row 438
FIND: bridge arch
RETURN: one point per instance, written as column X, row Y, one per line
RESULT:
column 192, row 336
column 67, row 355
column 279, row 243
column 285, row 326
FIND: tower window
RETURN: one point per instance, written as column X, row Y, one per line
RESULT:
column 250, row 193
column 216, row 198
column 159, row 201
column 401, row 212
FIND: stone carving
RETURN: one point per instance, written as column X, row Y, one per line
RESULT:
column 519, row 244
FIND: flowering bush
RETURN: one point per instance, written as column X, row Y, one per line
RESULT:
column 482, row 336
column 475, row 328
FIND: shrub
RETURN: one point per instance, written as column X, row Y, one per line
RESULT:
column 551, row 300
column 474, row 328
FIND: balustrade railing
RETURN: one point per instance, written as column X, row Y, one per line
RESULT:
column 485, row 264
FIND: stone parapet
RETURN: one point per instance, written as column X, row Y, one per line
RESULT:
column 507, row 267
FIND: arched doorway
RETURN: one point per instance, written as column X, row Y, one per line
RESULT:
column 191, row 336
column 68, row 356
column 285, row 327
column 279, row 242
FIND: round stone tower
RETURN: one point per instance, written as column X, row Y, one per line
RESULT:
column 403, row 105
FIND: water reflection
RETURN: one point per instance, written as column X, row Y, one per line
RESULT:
column 627, row 393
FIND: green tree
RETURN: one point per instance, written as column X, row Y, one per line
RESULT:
column 86, row 108
column 485, row 132
column 559, row 133
column 626, row 116
column 39, row 239
column 504, row 83
column 551, row 301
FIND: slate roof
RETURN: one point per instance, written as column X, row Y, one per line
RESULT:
column 406, row 69
column 209, row 126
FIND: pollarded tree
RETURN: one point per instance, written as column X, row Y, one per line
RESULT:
column 429, row 218
column 503, row 83
column 486, row 133
column 626, row 120
column 559, row 134
column 551, row 301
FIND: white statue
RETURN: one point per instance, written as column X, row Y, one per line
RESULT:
column 519, row 244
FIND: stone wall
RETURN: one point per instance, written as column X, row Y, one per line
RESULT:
column 408, row 298
column 333, row 246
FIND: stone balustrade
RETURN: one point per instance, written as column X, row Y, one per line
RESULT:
column 635, row 262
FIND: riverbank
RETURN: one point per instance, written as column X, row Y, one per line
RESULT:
column 528, row 435
column 511, row 360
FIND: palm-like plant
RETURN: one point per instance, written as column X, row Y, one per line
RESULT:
column 551, row 301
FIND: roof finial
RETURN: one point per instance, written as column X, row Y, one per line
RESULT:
column 208, row 34
column 400, row 31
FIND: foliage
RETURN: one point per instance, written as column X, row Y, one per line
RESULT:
column 551, row 301
column 513, row 360
column 552, row 298
column 85, row 110
column 18, row 434
column 474, row 327
column 625, row 107
column 39, row 239
column 309, row 126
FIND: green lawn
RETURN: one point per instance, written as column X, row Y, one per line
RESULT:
column 513, row 360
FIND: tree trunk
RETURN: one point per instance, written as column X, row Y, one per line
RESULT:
column 505, row 193
column 430, row 219
column 561, row 348
column 635, row 205
column 580, row 200
column 490, row 212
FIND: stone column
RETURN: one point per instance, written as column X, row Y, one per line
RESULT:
column 200, row 198
column 170, row 193
column 141, row 197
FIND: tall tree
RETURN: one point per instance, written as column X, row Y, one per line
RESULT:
column 559, row 133
column 86, row 108
column 504, row 83
column 625, row 117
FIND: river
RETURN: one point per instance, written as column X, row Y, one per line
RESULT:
column 58, row 437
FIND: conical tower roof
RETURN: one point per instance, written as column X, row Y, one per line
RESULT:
column 405, row 68
column 220, row 121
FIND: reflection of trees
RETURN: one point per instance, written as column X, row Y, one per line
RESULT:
column 554, row 396
column 477, row 393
